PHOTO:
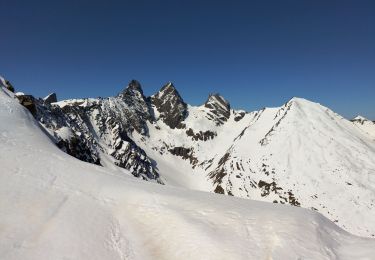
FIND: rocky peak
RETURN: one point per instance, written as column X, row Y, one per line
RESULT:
column 135, row 107
column 51, row 98
column 219, row 108
column 133, row 89
column 171, row 107
column 135, row 85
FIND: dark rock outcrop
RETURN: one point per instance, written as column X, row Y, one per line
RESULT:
column 51, row 98
column 78, row 148
column 185, row 153
column 219, row 109
column 135, row 107
column 219, row 173
column 170, row 105
column 9, row 86
column 88, row 128
column 6, row 84
column 29, row 102
column 203, row 136
column 238, row 116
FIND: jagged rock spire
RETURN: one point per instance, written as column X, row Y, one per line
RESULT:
column 170, row 105
column 135, row 85
column 134, row 89
column 51, row 98
column 219, row 108
column 136, row 107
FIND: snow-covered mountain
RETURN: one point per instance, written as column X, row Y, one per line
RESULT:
column 366, row 125
column 53, row 206
column 301, row 153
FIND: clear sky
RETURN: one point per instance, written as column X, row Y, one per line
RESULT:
column 255, row 53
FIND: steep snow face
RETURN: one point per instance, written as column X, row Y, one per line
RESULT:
column 53, row 206
column 365, row 125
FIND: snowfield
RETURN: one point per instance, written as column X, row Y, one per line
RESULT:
column 53, row 206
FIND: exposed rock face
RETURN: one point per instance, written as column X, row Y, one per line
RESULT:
column 78, row 148
column 219, row 109
column 70, row 130
column 9, row 86
column 135, row 107
column 6, row 84
column 171, row 107
column 239, row 115
column 129, row 156
column 185, row 153
column 51, row 98
column 89, row 128
column 29, row 102
column 107, row 125
column 203, row 136
column 218, row 174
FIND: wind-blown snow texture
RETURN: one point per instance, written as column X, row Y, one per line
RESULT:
column 301, row 153
column 53, row 206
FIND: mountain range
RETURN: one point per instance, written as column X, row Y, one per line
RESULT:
column 301, row 153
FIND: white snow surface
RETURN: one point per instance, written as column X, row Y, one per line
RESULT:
column 53, row 206
column 324, row 160
column 2, row 82
column 365, row 125
column 65, row 133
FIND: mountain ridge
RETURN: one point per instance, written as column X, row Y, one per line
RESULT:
column 54, row 206
column 274, row 154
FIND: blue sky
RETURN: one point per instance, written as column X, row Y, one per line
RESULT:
column 255, row 53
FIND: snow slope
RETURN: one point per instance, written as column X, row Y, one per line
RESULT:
column 301, row 153
column 305, row 154
column 53, row 206
column 366, row 125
